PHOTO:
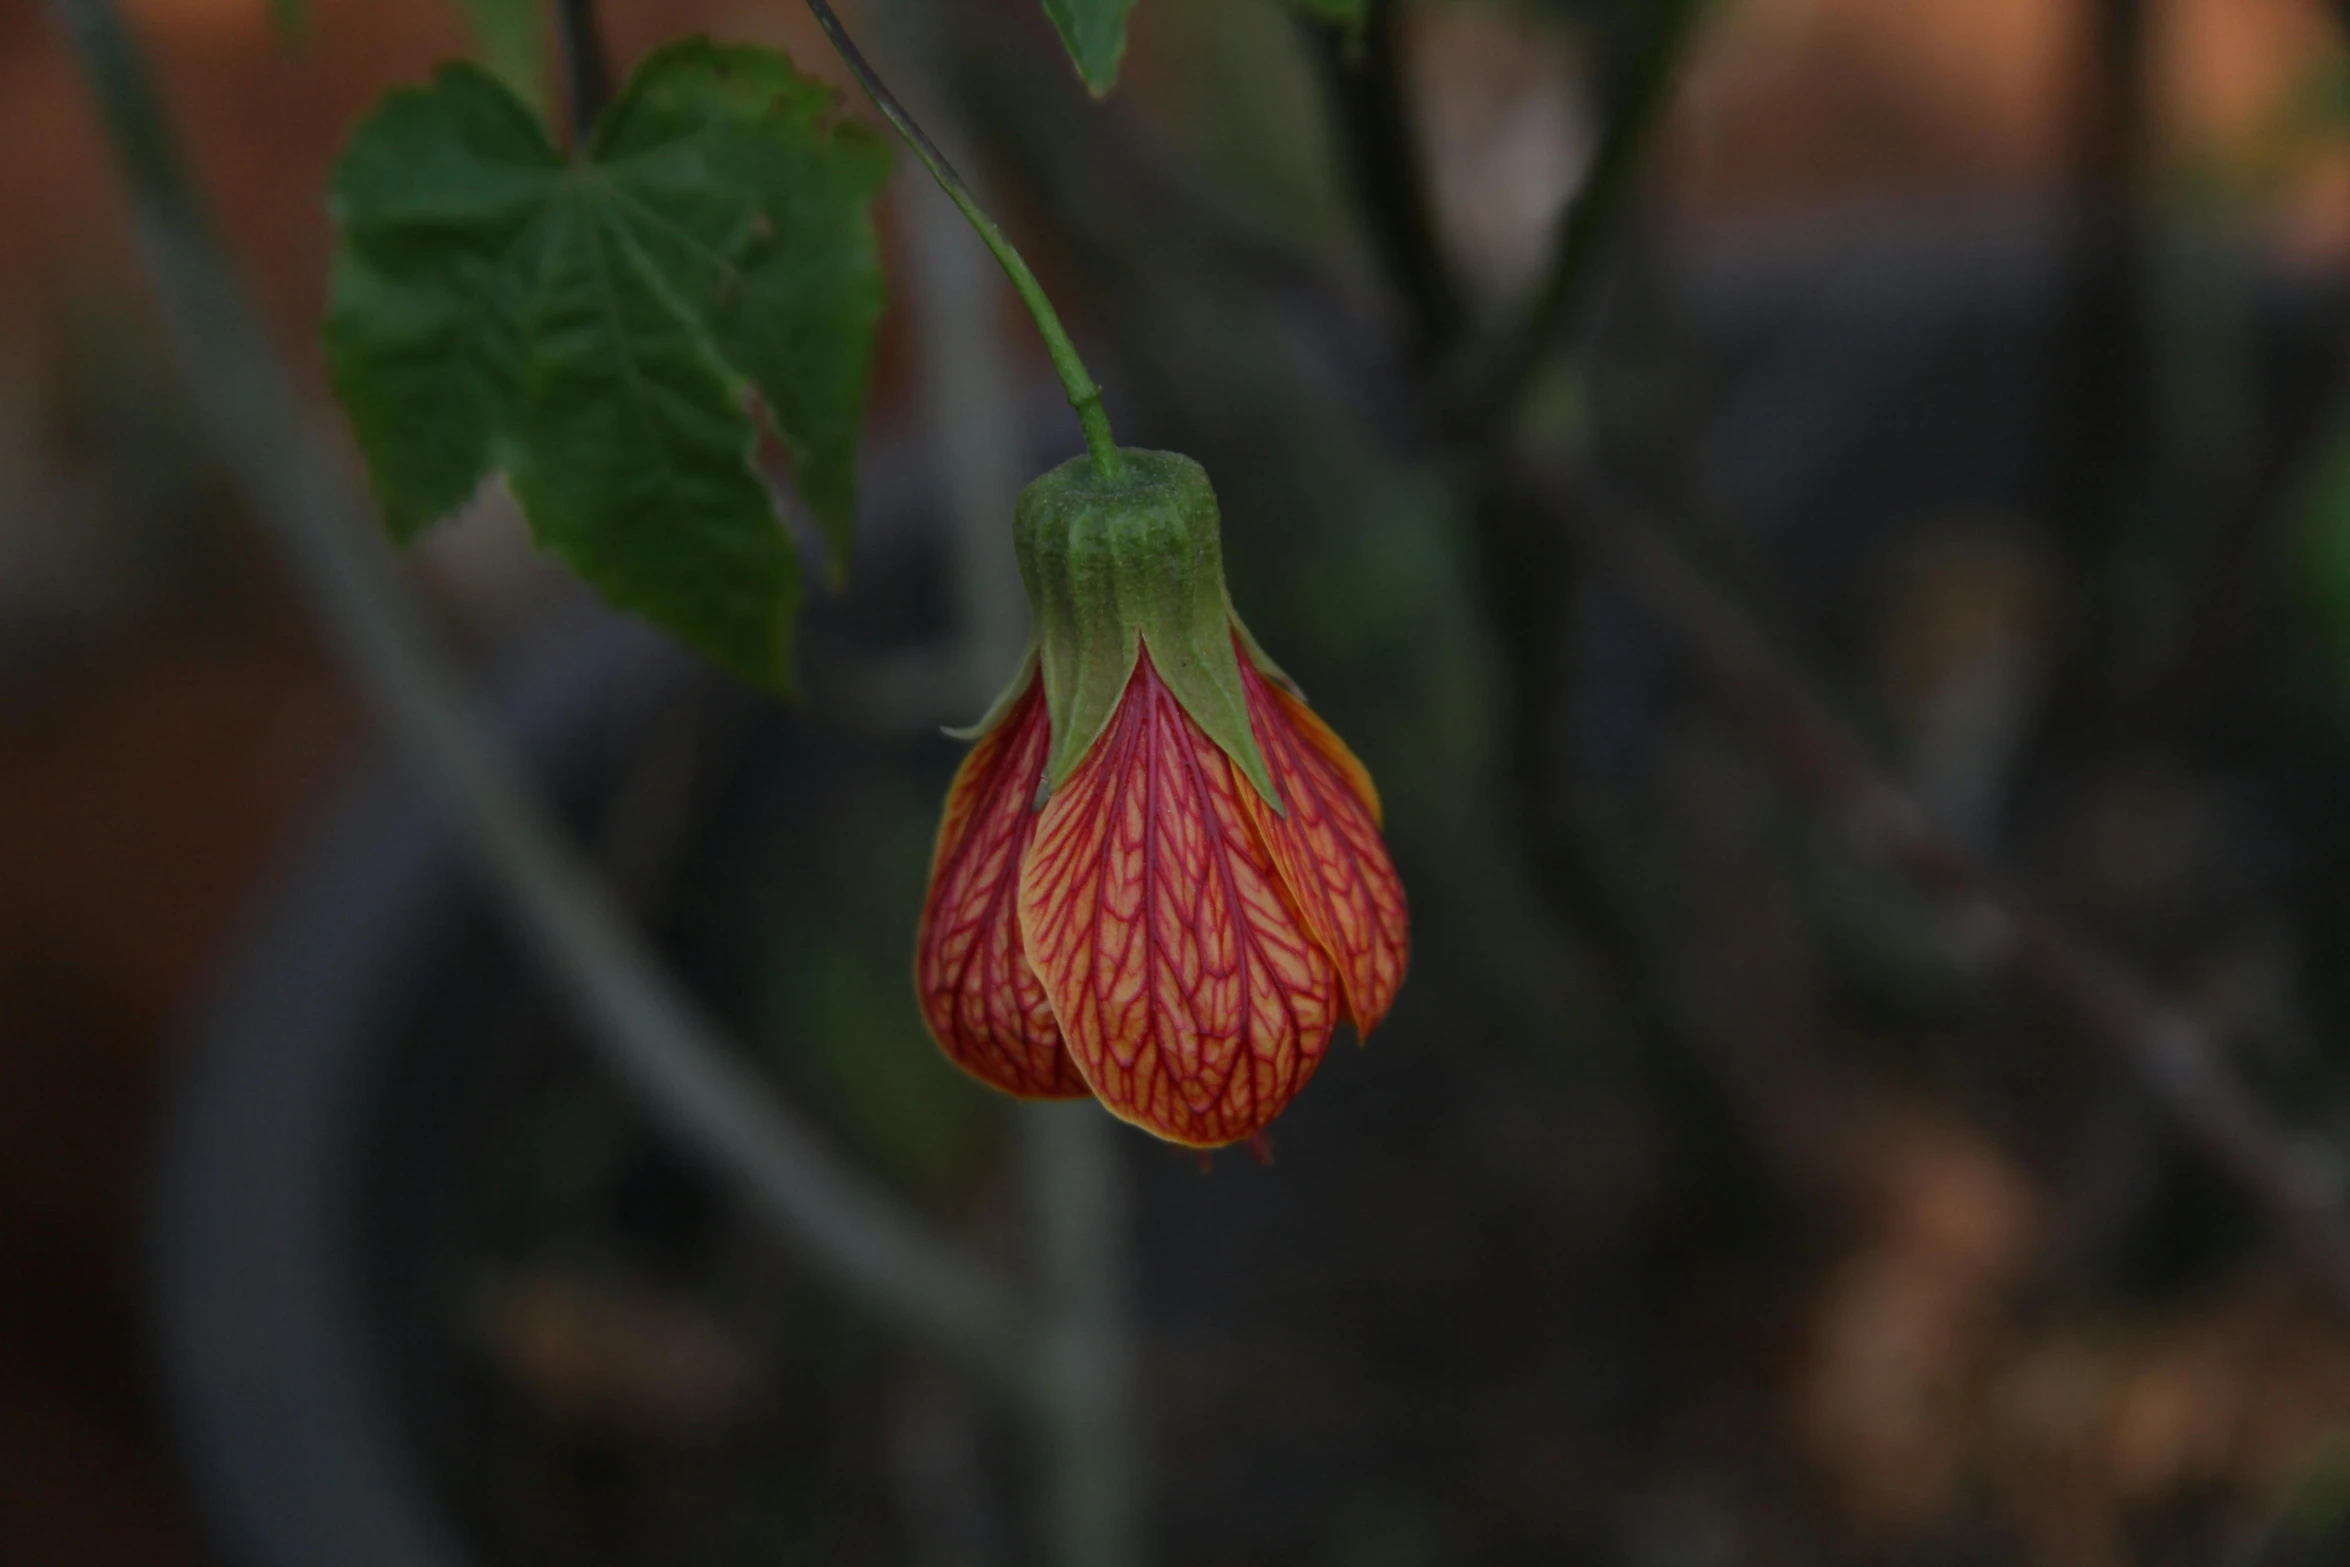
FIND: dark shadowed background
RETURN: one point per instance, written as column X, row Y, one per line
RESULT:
column 1706, row 1201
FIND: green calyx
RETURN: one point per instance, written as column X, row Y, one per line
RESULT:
column 1113, row 566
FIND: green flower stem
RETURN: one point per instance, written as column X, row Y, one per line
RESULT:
column 1091, row 1492
column 697, row 1085
column 1084, row 395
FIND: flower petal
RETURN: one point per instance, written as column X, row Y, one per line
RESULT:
column 1328, row 847
column 1192, row 999
column 983, row 1002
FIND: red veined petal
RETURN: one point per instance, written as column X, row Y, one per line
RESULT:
column 981, row 999
column 1192, row 999
column 1328, row 847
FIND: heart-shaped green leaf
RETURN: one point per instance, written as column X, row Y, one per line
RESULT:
column 595, row 327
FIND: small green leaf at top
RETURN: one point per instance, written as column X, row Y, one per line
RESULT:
column 1094, row 32
column 596, row 327
column 1342, row 13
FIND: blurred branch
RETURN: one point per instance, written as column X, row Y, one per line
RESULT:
column 1364, row 69
column 2294, row 1185
column 651, row 1036
column 1092, row 1503
column 587, row 65
column 1527, row 571
column 2105, row 370
column 1499, row 382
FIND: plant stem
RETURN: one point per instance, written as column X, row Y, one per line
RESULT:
column 1365, row 76
column 1527, row 569
column 587, row 66
column 1082, row 1431
column 694, row 1082
column 1092, row 1503
column 1084, row 396
column 1588, row 221
column 2102, row 436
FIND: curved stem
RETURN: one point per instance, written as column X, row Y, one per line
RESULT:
column 693, row 1081
column 1092, row 1503
column 1363, row 68
column 1084, row 395
column 1589, row 219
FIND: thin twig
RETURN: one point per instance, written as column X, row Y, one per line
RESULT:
column 1364, row 70
column 2105, row 369
column 587, row 65
column 694, row 1082
column 2293, row 1181
column 1500, row 382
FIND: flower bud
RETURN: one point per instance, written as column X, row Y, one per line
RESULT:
column 1120, row 902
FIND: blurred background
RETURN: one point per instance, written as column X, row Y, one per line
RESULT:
column 1704, row 1202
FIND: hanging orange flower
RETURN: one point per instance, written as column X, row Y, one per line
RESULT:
column 1160, row 878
